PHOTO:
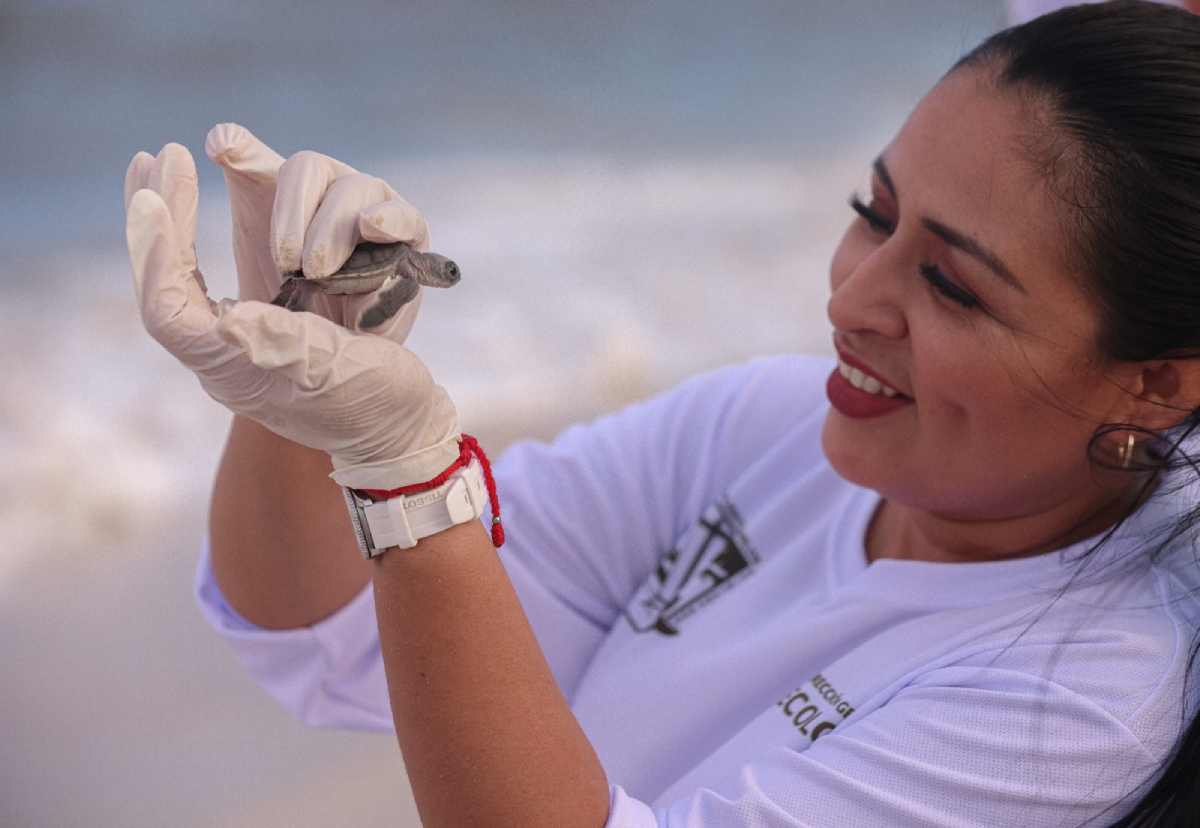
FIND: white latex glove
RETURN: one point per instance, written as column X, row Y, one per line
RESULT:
column 363, row 398
column 307, row 212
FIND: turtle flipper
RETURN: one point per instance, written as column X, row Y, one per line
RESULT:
column 394, row 294
column 293, row 293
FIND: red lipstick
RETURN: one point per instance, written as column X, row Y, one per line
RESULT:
column 859, row 404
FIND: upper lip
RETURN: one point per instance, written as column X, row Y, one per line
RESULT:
column 855, row 362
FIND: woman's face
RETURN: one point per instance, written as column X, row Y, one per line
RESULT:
column 954, row 289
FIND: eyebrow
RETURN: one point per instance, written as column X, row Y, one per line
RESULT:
column 954, row 238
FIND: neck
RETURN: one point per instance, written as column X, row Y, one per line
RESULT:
column 903, row 532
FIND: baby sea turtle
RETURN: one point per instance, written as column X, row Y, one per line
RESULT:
column 395, row 270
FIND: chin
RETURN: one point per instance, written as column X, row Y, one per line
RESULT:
column 850, row 459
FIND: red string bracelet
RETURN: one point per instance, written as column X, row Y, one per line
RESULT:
column 467, row 445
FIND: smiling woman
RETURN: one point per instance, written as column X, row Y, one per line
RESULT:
column 964, row 593
column 1066, row 151
column 1007, row 370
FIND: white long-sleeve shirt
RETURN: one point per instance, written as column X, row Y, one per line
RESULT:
column 695, row 573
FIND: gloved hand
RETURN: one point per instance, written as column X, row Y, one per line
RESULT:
column 308, row 211
column 363, row 398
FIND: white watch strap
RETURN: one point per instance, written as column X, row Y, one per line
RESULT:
column 404, row 520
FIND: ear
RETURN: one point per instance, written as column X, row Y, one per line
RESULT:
column 1166, row 391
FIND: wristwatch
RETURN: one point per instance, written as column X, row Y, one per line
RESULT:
column 403, row 520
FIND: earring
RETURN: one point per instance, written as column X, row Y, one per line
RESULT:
column 1125, row 452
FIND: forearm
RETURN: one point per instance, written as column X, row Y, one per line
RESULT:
column 487, row 737
column 282, row 549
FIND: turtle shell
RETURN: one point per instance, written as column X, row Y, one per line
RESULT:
column 366, row 269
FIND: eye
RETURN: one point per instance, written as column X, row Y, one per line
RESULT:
column 944, row 286
column 932, row 274
column 877, row 222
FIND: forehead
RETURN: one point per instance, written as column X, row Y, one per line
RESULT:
column 962, row 148
column 965, row 157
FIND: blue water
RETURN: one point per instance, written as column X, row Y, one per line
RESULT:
column 85, row 85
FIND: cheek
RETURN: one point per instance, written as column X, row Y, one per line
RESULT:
column 964, row 392
column 991, row 403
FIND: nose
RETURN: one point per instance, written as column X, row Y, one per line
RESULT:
column 867, row 295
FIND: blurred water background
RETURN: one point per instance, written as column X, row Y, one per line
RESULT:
column 634, row 192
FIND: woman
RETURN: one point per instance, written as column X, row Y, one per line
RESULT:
column 945, row 581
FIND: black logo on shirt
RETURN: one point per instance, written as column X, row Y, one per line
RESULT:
column 708, row 559
column 815, row 708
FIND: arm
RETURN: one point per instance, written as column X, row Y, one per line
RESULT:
column 373, row 407
column 282, row 550
column 486, row 734
column 586, row 517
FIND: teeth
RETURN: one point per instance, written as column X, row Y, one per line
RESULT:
column 864, row 383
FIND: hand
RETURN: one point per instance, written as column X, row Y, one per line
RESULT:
column 364, row 399
column 306, row 212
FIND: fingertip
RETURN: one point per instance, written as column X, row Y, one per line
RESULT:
column 174, row 164
column 176, row 150
column 145, row 203
column 140, row 161
column 137, row 174
column 222, row 141
column 319, row 260
column 394, row 220
column 237, row 149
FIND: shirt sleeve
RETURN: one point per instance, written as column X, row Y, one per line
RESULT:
column 964, row 746
column 329, row 674
column 585, row 518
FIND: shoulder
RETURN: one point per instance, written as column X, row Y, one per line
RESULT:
column 1121, row 646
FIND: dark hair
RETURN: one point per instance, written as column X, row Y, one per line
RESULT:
column 1115, row 88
